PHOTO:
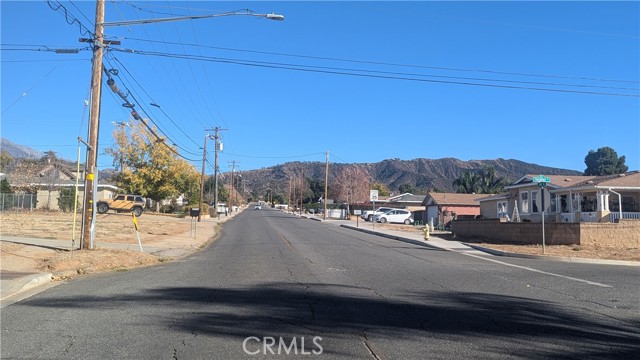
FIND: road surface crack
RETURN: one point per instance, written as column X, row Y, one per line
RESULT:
column 370, row 347
column 69, row 344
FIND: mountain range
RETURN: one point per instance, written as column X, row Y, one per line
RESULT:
column 422, row 174
column 19, row 151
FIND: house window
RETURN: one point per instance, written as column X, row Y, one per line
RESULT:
column 575, row 203
column 629, row 204
column 524, row 202
column 564, row 205
column 588, row 203
column 534, row 202
column 502, row 209
column 553, row 206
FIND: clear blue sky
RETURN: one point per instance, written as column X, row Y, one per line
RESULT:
column 430, row 107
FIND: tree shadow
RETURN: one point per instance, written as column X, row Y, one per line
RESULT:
column 315, row 309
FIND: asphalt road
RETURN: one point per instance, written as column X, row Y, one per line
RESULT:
column 278, row 283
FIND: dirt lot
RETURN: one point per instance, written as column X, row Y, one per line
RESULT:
column 166, row 235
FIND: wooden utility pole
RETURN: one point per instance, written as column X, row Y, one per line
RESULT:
column 233, row 169
column 217, row 148
column 301, row 190
column 204, row 160
column 326, row 185
column 92, row 137
column 292, row 184
column 289, row 197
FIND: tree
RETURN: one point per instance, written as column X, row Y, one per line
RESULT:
column 316, row 187
column 382, row 189
column 604, row 161
column 467, row 183
column 406, row 188
column 5, row 160
column 490, row 182
column 351, row 184
column 484, row 181
column 153, row 168
column 5, row 188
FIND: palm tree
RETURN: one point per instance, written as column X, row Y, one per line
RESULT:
column 484, row 181
column 491, row 183
column 468, row 183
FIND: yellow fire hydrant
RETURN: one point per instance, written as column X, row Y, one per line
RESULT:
column 426, row 232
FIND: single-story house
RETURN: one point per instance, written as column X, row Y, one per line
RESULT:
column 406, row 201
column 443, row 207
column 41, row 184
column 567, row 199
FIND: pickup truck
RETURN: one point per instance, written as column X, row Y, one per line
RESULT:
column 370, row 214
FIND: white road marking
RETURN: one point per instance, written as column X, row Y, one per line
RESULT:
column 539, row 271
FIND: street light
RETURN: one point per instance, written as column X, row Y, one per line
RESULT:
column 99, row 43
column 246, row 12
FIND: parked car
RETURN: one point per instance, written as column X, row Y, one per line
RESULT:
column 369, row 214
column 395, row 216
column 133, row 203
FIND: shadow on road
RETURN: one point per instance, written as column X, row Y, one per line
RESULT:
column 510, row 326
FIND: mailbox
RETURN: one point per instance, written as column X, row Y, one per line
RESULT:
column 194, row 212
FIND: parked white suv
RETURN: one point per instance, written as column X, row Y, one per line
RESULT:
column 369, row 214
column 395, row 216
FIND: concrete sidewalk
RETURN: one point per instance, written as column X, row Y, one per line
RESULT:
column 437, row 240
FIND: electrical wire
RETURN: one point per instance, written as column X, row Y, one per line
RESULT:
column 25, row 93
column 274, row 157
column 395, row 64
column 69, row 18
column 326, row 70
column 151, row 130
column 154, row 102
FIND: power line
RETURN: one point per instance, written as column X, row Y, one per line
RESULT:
column 313, row 69
column 138, row 117
column 154, row 102
column 69, row 18
column 275, row 157
column 395, row 64
column 25, row 93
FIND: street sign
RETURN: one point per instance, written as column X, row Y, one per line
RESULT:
column 373, row 195
column 542, row 184
column 541, row 179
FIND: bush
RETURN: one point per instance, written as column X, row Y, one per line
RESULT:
column 66, row 199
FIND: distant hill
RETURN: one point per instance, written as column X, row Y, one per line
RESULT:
column 422, row 174
column 19, row 151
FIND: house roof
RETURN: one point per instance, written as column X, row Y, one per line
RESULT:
column 407, row 198
column 494, row 197
column 629, row 180
column 452, row 199
column 557, row 181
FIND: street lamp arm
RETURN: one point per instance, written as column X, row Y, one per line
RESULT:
column 245, row 12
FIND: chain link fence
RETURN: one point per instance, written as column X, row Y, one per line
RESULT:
column 17, row 202
column 63, row 201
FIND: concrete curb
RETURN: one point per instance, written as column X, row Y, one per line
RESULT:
column 576, row 260
column 393, row 237
column 26, row 283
